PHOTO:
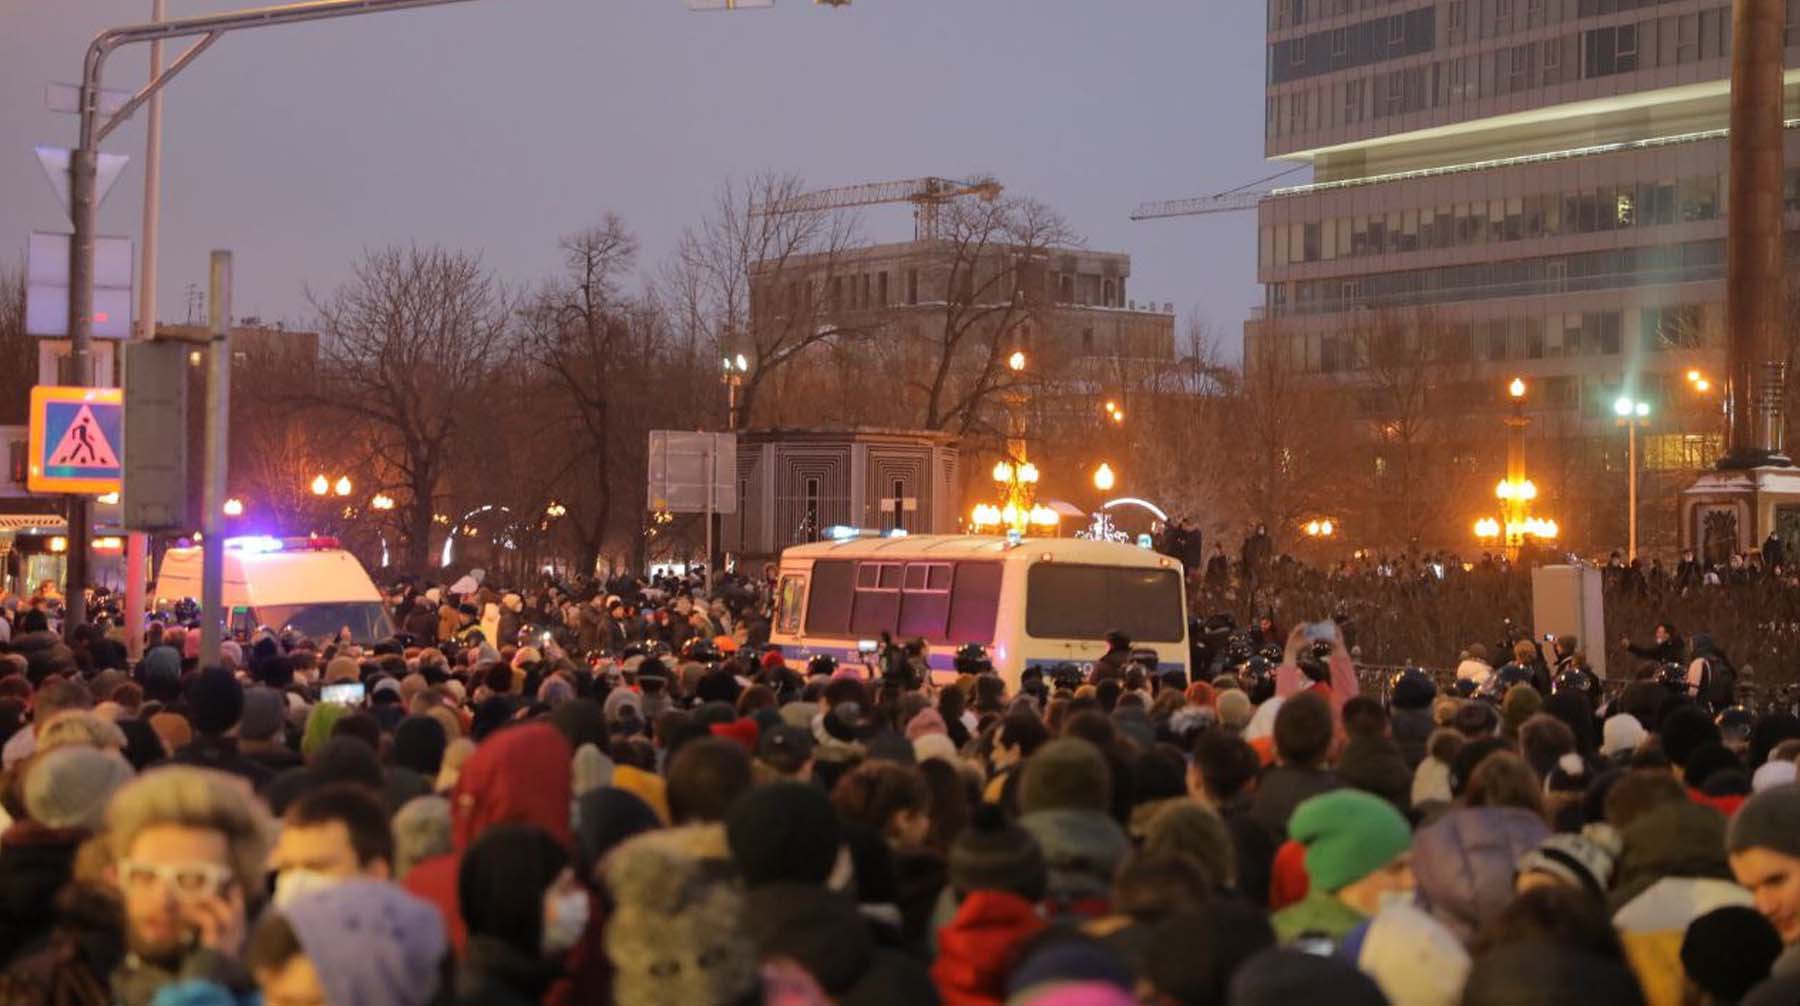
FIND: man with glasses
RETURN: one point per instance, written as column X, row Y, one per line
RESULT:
column 189, row 847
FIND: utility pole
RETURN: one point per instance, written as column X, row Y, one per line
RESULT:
column 218, row 441
column 84, row 161
column 137, row 543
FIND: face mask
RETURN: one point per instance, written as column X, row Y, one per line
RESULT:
column 1391, row 899
column 567, row 922
column 292, row 883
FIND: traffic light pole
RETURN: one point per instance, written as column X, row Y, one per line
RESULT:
column 83, row 170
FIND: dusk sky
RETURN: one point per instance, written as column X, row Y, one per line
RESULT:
column 499, row 125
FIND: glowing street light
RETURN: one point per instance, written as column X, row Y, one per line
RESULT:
column 1517, row 388
column 1632, row 414
column 382, row 501
column 320, row 485
column 555, row 510
column 342, row 488
column 1104, row 479
column 1016, row 361
column 233, row 507
column 1028, row 473
column 1319, row 528
column 1003, row 471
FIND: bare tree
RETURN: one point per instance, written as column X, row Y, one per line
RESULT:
column 407, row 344
column 1291, row 431
column 753, row 279
column 578, row 332
column 989, row 263
column 18, row 351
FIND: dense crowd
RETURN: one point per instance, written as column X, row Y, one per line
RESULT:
column 622, row 794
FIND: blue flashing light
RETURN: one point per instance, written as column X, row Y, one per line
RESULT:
column 1144, row 541
column 898, row 532
column 1014, row 537
column 257, row 543
column 840, row 532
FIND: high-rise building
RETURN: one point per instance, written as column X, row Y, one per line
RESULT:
column 1531, row 188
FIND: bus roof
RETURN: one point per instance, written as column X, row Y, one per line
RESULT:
column 970, row 546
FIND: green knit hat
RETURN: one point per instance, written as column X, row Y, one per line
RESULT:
column 1348, row 835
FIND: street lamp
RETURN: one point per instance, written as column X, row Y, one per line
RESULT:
column 1322, row 528
column 1515, row 492
column 1632, row 414
column 320, row 485
column 555, row 510
column 1104, row 479
column 1016, row 361
column 233, row 507
column 382, row 501
column 342, row 487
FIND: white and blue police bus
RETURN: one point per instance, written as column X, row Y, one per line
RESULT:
column 1037, row 603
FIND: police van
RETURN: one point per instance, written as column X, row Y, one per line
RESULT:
column 309, row 585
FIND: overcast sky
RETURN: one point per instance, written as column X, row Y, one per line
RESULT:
column 499, row 125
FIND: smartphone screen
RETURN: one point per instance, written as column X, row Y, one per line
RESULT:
column 348, row 693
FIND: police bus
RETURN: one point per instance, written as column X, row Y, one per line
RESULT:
column 1039, row 602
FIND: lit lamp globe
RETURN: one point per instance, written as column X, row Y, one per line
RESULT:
column 1104, row 479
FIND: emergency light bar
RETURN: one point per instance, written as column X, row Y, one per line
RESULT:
column 262, row 543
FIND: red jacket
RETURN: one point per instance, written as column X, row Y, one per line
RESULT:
column 975, row 948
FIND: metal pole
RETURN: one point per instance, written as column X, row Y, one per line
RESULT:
column 137, row 544
column 712, row 486
column 218, row 410
column 83, row 163
column 1631, row 489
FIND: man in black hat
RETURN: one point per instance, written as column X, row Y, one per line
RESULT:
column 1111, row 664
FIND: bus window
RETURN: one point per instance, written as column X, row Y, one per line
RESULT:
column 828, row 607
column 925, row 602
column 975, row 603
column 1085, row 602
column 793, row 591
column 877, row 605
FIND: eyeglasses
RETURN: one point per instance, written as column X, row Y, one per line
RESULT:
column 188, row 880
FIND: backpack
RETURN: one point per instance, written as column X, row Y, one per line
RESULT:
column 1718, row 683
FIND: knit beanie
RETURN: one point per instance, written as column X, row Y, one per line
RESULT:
column 265, row 711
column 1769, row 820
column 1348, row 834
column 1066, row 774
column 421, row 830
column 783, row 832
column 215, row 701
column 1585, row 861
column 928, row 721
column 71, row 786
column 1414, row 958
column 934, row 745
column 1235, row 709
column 1285, row 977
column 1622, row 734
column 1773, row 774
column 993, row 854
column 1729, row 951
column 1521, row 703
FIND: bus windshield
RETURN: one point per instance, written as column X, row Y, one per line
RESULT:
column 1067, row 601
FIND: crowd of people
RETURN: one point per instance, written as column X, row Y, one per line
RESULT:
column 624, row 795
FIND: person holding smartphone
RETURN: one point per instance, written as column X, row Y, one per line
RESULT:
column 188, row 850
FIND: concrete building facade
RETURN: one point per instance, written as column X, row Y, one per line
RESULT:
column 1545, row 181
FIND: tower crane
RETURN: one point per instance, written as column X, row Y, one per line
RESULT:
column 928, row 196
column 1243, row 197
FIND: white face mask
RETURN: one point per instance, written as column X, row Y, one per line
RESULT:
column 294, row 882
column 1390, row 899
column 567, row 922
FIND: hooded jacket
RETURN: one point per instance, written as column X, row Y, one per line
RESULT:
column 518, row 775
column 975, row 951
column 1464, row 863
column 1082, row 849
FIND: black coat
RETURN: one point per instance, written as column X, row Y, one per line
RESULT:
column 495, row 974
column 35, row 863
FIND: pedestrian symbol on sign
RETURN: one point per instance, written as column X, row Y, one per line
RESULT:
column 84, row 445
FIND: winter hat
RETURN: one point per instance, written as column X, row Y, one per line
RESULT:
column 1539, row 972
column 265, row 712
column 174, row 730
column 939, row 746
column 928, row 721
column 1075, row 993
column 1568, row 775
column 341, row 669
column 1066, row 774
column 784, row 747
column 1415, row 960
column 742, row 731
column 608, row 816
column 783, row 832
column 231, row 654
column 1475, row 720
column 1285, row 977
column 992, row 854
column 215, row 701
column 1585, row 861
column 676, row 936
column 589, row 769
column 419, row 743
column 1769, row 820
column 1771, row 775
column 1622, row 734
column 1067, row 957
column 421, row 830
column 1189, row 829
column 618, row 700
column 1235, row 709
column 799, row 714
column 71, row 786
column 371, row 941
column 81, row 728
column 1729, row 951
column 1348, row 835
column 1522, row 702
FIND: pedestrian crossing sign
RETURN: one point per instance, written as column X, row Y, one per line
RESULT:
column 75, row 441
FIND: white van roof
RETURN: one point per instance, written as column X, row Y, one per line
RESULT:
column 973, row 546
column 305, row 576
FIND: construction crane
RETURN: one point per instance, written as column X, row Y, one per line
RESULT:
column 1243, row 197
column 928, row 196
